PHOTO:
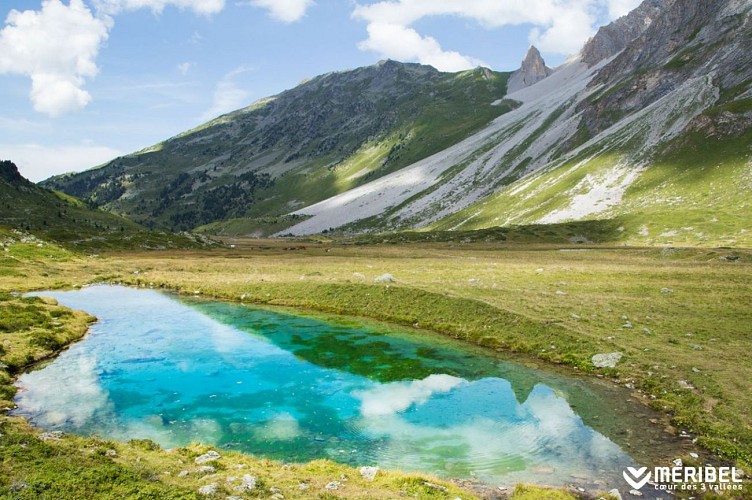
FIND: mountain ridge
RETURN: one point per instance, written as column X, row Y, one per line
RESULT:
column 440, row 151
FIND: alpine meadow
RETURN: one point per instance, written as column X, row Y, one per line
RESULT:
column 422, row 277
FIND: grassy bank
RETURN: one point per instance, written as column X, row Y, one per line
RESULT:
column 679, row 316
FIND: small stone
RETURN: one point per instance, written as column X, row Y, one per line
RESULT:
column 303, row 486
column 360, row 276
column 606, row 360
column 694, row 455
column 334, row 485
column 208, row 489
column 385, row 278
column 677, row 462
column 248, row 483
column 51, row 436
column 369, row 473
column 666, row 290
column 110, row 453
column 627, row 325
column 646, row 330
column 560, row 292
column 696, row 370
column 576, row 317
column 183, row 473
column 635, row 493
column 277, row 496
column 615, row 493
column 209, row 456
column 434, row 486
column 205, row 468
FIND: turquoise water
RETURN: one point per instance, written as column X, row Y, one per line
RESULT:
column 295, row 388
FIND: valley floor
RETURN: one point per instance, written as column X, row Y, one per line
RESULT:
column 680, row 317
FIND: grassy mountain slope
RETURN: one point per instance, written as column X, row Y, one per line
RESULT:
column 655, row 139
column 327, row 135
column 36, row 214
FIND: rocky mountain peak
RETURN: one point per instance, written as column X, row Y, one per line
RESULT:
column 532, row 70
column 10, row 173
column 614, row 37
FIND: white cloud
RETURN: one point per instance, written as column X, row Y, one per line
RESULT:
column 205, row 7
column 395, row 397
column 558, row 26
column 185, row 67
column 287, row 11
column 406, row 44
column 56, row 47
column 618, row 8
column 37, row 162
column 228, row 95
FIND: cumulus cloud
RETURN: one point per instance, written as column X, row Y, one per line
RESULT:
column 558, row 26
column 395, row 397
column 287, row 11
column 406, row 44
column 56, row 47
column 228, row 95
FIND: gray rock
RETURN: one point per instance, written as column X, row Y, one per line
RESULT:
column 208, row 489
column 209, row 456
column 606, row 360
column 532, row 70
column 385, row 278
column 614, row 37
column 369, row 473
column 51, row 436
column 248, row 483
column 205, row 468
column 183, row 473
column 334, row 485
column 615, row 493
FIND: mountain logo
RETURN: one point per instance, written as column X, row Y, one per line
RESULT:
column 636, row 477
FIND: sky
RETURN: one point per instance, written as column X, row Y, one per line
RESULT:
column 85, row 81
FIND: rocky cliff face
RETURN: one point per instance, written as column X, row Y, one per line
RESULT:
column 532, row 71
column 687, row 40
column 614, row 37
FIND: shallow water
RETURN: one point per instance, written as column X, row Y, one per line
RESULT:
column 296, row 388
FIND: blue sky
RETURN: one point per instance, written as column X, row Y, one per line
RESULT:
column 83, row 81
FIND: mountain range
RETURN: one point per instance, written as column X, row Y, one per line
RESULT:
column 648, row 130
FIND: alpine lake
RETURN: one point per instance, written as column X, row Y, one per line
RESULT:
column 294, row 387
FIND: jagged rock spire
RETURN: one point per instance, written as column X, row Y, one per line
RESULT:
column 532, row 71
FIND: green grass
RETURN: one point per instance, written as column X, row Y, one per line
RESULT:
column 689, row 308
